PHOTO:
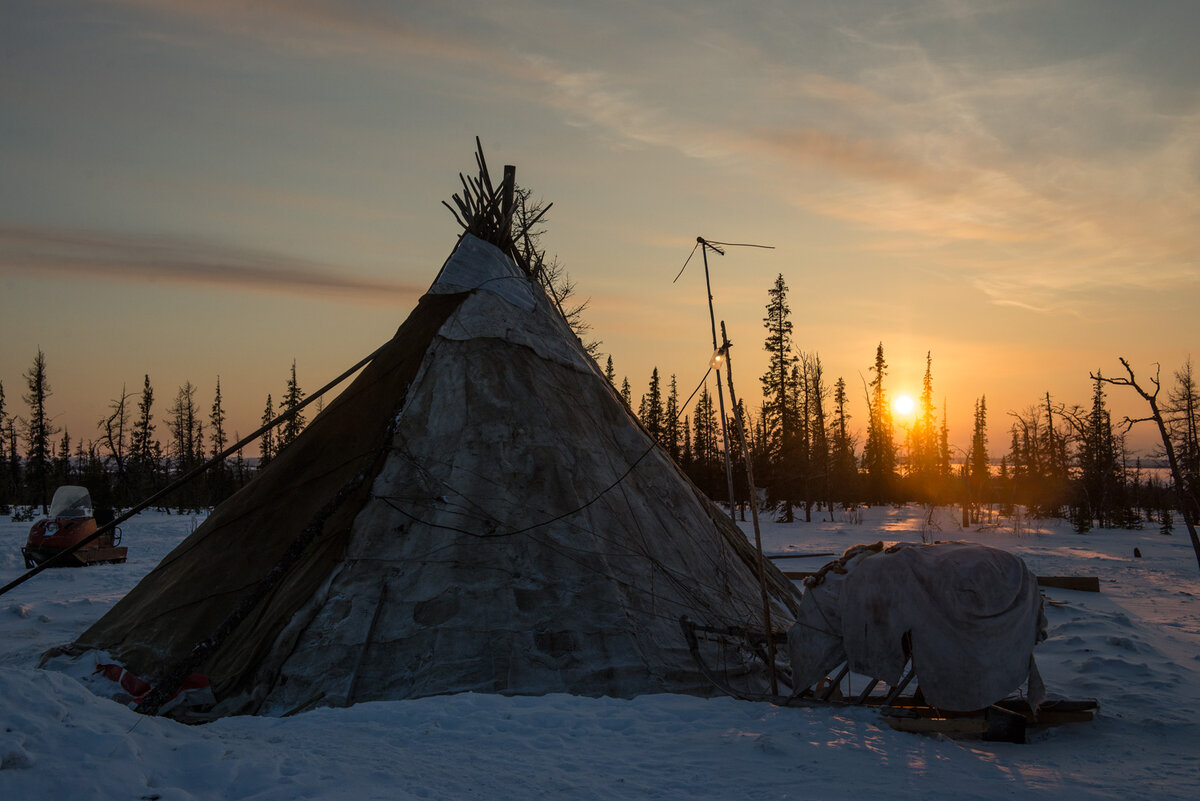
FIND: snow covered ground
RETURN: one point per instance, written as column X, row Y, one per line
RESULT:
column 1135, row 646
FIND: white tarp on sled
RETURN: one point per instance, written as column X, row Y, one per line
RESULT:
column 967, row 615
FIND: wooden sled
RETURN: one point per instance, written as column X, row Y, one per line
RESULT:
column 1006, row 720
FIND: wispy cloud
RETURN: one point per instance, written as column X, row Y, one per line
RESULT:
column 319, row 28
column 44, row 251
column 1067, row 167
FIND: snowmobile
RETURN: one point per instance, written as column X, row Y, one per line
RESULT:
column 72, row 518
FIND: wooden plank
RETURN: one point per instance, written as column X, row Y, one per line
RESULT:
column 1080, row 583
column 800, row 555
column 936, row 725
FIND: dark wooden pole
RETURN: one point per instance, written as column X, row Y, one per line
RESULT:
column 506, row 205
column 762, row 561
column 704, row 246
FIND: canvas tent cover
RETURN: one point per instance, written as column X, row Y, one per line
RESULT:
column 970, row 614
column 478, row 528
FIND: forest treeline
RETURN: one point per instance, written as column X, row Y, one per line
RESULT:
column 127, row 459
column 1060, row 460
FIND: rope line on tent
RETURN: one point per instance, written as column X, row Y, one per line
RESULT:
column 679, row 582
column 685, row 582
column 746, row 616
column 483, row 517
column 668, row 571
column 574, row 511
column 559, row 549
column 192, row 543
column 188, row 477
column 698, row 600
column 749, row 614
column 721, row 567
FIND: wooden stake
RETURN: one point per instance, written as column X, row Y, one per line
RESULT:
column 762, row 561
column 510, row 185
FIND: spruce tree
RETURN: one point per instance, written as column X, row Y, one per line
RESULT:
column 62, row 472
column 879, row 453
column 819, row 457
column 651, row 412
column 1018, row 469
column 14, row 459
column 707, row 467
column 977, row 466
column 609, row 373
column 6, row 494
column 266, row 445
column 1055, row 465
column 779, row 397
column 239, row 464
column 797, row 451
column 216, row 420
column 944, row 471
column 626, row 392
column 1183, row 420
column 181, row 423
column 1003, row 486
column 186, row 445
column 844, row 462
column 923, row 442
column 198, row 453
column 220, row 479
column 39, row 428
column 687, row 457
column 1100, row 479
column 143, row 447
column 671, row 437
column 289, row 404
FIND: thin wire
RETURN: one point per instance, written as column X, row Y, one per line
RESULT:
column 739, row 245
column 483, row 517
column 576, row 510
column 685, row 264
column 701, row 240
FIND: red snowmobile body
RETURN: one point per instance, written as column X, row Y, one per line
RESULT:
column 71, row 520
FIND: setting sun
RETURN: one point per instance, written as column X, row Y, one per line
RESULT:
column 903, row 405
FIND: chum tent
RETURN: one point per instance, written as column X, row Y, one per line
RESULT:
column 477, row 511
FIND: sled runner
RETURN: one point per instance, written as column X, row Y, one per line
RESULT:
column 901, row 708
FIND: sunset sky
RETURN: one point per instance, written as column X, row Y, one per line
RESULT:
column 192, row 189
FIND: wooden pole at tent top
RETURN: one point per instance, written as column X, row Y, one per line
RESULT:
column 506, row 204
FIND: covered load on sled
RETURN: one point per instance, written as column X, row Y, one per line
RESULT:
column 938, row 637
column 967, row 617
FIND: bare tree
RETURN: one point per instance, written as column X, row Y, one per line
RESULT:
column 529, row 227
column 1186, row 507
column 115, row 436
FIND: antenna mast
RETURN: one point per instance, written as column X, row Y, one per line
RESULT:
column 718, row 353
